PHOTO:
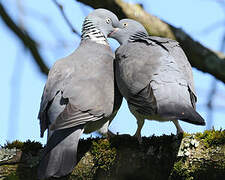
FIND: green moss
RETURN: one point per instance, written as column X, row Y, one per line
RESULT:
column 15, row 144
column 31, row 146
column 205, row 161
column 28, row 146
column 12, row 176
column 122, row 157
column 26, row 160
column 104, row 155
column 212, row 137
column 180, row 170
column 178, row 166
column 186, row 134
column 96, row 158
column 84, row 146
column 187, row 171
column 84, row 169
column 6, row 170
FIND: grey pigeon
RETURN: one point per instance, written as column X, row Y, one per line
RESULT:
column 79, row 96
column 154, row 76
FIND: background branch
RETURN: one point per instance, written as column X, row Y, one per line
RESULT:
column 199, row 56
column 28, row 42
column 65, row 17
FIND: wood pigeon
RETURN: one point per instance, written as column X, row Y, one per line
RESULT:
column 155, row 77
column 79, row 96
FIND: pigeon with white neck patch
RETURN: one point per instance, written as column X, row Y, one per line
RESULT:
column 79, row 95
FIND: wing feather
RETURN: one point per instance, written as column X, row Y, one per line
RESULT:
column 86, row 81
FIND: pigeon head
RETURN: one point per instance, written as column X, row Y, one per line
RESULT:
column 99, row 24
column 130, row 28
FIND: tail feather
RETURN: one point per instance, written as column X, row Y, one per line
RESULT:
column 193, row 117
column 60, row 154
column 184, row 113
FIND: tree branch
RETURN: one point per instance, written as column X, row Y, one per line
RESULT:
column 196, row 156
column 65, row 17
column 28, row 42
column 199, row 56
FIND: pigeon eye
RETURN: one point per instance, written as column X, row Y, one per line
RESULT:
column 125, row 24
column 108, row 20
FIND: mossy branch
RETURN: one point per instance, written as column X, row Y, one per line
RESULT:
column 196, row 156
column 199, row 56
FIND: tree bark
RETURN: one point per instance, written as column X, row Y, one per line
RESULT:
column 196, row 156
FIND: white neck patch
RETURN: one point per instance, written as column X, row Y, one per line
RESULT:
column 91, row 32
column 96, row 36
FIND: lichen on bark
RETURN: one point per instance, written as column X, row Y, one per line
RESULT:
column 194, row 156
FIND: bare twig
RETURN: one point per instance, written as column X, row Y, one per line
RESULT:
column 55, row 32
column 25, row 38
column 65, row 17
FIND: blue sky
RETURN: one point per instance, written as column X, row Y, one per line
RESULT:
column 22, row 82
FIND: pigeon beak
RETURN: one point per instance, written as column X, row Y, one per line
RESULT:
column 111, row 33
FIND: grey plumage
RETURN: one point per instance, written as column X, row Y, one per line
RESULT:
column 59, row 155
column 154, row 76
column 79, row 95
